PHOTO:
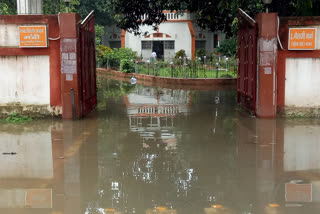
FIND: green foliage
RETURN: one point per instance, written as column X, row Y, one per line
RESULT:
column 201, row 53
column 127, row 66
column 15, row 118
column 102, row 8
column 99, row 33
column 210, row 14
column 228, row 47
column 3, row 9
column 181, row 53
column 114, row 57
column 235, row 27
column 162, row 64
column 115, row 89
column 179, row 57
column 8, row 7
column 100, row 50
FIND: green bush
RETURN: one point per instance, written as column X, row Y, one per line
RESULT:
column 99, row 33
column 162, row 64
column 113, row 58
column 228, row 47
column 201, row 53
column 180, row 54
column 100, row 50
column 127, row 66
column 3, row 9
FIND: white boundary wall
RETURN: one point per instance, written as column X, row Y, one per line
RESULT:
column 25, row 80
column 302, row 82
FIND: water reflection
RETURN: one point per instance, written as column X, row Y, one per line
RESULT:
column 162, row 151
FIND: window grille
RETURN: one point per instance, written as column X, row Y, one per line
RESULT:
column 146, row 45
column 200, row 44
column 169, row 45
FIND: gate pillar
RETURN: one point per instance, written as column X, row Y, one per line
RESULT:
column 266, row 104
column 70, row 65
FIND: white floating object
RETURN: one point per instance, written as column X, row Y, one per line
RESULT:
column 133, row 80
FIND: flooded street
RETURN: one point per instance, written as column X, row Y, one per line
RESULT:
column 153, row 150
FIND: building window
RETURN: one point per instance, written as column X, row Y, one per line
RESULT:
column 200, row 44
column 215, row 40
column 115, row 44
column 169, row 45
column 146, row 45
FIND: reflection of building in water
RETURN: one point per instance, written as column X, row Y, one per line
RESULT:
column 42, row 168
column 301, row 148
column 301, row 156
column 25, row 170
column 285, row 164
column 151, row 112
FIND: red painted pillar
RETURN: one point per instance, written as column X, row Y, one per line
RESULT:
column 70, row 63
column 267, row 55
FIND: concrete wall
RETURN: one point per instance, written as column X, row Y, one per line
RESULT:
column 302, row 87
column 9, row 35
column 31, row 77
column 27, row 80
column 298, row 71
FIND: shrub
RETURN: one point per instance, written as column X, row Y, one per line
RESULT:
column 127, row 66
column 201, row 53
column 99, row 33
column 113, row 58
column 182, row 54
column 228, row 47
column 100, row 50
column 162, row 64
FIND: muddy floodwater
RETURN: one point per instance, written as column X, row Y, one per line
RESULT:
column 154, row 150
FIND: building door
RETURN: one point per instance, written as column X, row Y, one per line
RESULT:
column 158, row 48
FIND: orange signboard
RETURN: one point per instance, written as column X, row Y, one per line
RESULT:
column 33, row 36
column 302, row 38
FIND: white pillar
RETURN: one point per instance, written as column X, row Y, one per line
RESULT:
column 30, row 7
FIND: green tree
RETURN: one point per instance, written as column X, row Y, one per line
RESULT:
column 99, row 33
column 228, row 47
column 8, row 7
column 3, row 9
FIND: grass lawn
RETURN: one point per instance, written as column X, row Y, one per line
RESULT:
column 186, row 72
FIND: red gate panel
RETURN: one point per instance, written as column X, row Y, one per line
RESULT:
column 247, row 67
column 88, row 65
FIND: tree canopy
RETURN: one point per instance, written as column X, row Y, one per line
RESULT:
column 210, row 14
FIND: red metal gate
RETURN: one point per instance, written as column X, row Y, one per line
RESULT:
column 247, row 67
column 88, row 65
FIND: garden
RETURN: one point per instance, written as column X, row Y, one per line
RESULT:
column 203, row 66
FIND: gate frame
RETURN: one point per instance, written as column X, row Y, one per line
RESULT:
column 247, row 82
column 88, row 65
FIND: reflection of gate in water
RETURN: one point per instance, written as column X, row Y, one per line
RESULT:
column 247, row 68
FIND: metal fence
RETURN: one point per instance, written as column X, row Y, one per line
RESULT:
column 181, row 68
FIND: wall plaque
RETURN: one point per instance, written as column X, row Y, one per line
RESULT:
column 33, row 36
column 302, row 38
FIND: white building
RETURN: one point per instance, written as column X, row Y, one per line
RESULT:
column 178, row 32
